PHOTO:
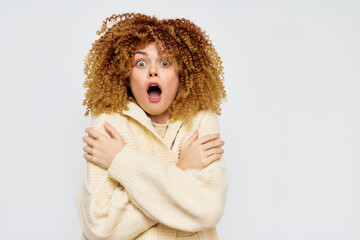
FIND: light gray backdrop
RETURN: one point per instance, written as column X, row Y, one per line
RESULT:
column 291, row 121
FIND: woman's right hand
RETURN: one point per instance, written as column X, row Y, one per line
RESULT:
column 199, row 153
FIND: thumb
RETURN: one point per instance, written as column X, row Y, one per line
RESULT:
column 112, row 131
column 192, row 138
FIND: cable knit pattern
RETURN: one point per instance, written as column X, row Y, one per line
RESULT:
column 143, row 195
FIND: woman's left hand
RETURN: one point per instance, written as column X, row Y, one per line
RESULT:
column 100, row 149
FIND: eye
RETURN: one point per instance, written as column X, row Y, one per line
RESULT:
column 164, row 63
column 141, row 63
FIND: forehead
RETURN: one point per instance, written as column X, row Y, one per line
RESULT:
column 152, row 48
column 147, row 49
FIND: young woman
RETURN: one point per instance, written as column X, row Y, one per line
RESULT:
column 154, row 154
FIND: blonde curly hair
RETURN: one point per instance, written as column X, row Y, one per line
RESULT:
column 110, row 60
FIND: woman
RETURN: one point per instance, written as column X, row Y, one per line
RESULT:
column 154, row 155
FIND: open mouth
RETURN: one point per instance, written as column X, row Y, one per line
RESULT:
column 154, row 92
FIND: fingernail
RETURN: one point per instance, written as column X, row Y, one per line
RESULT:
column 106, row 124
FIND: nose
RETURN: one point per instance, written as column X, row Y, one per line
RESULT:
column 153, row 72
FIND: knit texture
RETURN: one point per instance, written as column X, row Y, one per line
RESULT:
column 143, row 195
column 160, row 128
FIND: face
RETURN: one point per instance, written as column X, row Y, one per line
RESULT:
column 154, row 82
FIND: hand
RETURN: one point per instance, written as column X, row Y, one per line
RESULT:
column 199, row 153
column 100, row 149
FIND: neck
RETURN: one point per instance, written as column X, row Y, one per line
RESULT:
column 162, row 118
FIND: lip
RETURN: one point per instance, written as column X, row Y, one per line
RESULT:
column 147, row 89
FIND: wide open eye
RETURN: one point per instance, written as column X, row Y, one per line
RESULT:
column 141, row 63
column 164, row 63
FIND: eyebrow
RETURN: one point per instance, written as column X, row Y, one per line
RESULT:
column 145, row 53
column 141, row 52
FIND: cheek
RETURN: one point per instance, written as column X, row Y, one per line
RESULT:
column 135, row 89
column 174, row 80
column 172, row 84
column 135, row 80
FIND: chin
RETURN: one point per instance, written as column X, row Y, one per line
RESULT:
column 155, row 112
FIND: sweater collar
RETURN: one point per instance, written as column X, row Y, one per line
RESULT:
column 138, row 114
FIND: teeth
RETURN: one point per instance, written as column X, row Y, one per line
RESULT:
column 153, row 85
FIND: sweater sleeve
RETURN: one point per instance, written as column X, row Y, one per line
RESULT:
column 104, row 208
column 190, row 200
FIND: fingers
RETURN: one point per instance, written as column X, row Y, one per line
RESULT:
column 192, row 138
column 93, row 133
column 213, row 158
column 88, row 150
column 208, row 138
column 213, row 144
column 112, row 131
column 213, row 151
column 88, row 157
column 89, row 140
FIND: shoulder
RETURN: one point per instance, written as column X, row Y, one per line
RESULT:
column 206, row 121
column 204, row 114
column 114, row 119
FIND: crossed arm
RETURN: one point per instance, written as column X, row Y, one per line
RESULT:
column 114, row 204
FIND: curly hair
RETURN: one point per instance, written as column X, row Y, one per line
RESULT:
column 110, row 60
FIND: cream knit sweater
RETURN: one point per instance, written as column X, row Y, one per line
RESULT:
column 143, row 195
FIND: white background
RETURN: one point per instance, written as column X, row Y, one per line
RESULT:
column 290, row 122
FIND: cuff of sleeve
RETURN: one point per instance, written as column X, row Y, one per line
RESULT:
column 124, row 168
